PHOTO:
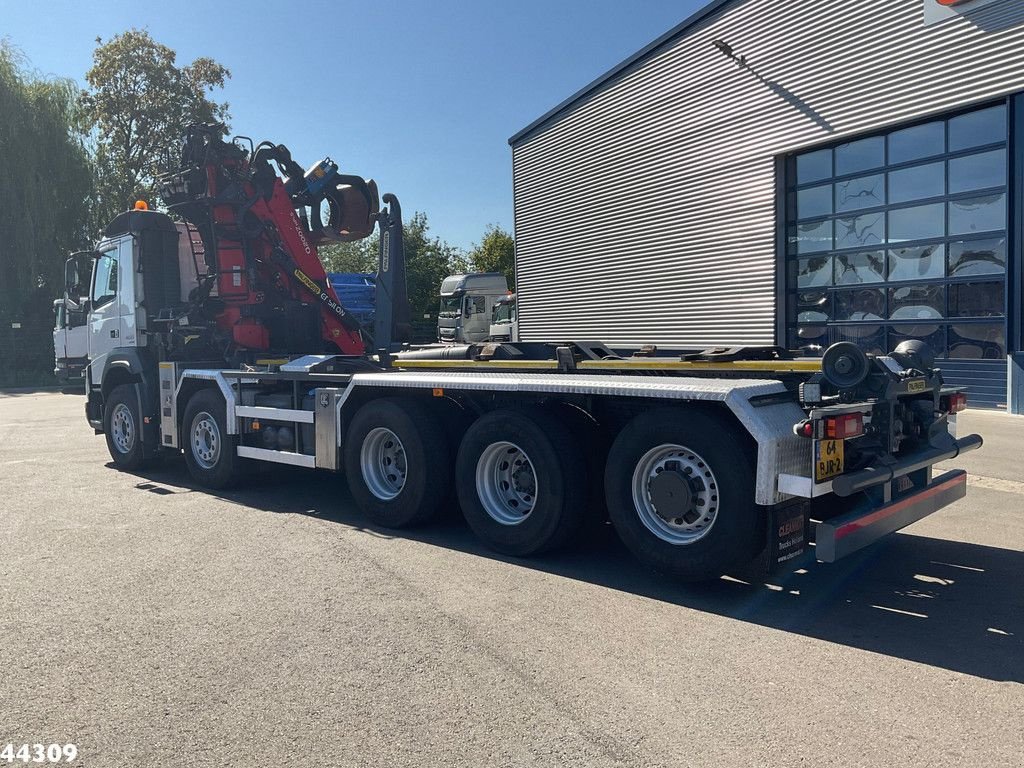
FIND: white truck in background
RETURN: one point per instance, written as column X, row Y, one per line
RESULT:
column 70, row 342
column 504, row 320
column 466, row 300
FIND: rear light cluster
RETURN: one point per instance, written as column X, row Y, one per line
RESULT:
column 844, row 426
column 954, row 403
column 839, row 427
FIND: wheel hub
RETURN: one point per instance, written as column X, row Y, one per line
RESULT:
column 675, row 494
column 383, row 463
column 506, row 483
column 122, row 428
column 206, row 442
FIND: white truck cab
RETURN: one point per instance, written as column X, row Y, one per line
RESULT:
column 114, row 316
column 466, row 301
column 70, row 341
column 504, row 321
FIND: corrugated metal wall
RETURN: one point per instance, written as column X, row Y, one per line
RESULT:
column 646, row 212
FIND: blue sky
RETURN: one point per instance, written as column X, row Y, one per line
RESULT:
column 422, row 96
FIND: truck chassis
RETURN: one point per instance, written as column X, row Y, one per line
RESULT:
column 697, row 464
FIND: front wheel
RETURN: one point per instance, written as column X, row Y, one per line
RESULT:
column 122, row 426
column 680, row 492
column 210, row 452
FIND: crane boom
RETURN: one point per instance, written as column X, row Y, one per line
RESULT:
column 261, row 218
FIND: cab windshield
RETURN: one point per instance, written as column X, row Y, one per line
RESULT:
column 503, row 313
column 450, row 307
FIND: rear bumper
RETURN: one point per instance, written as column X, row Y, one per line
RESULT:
column 846, row 534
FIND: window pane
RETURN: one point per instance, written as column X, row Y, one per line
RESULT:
column 977, row 257
column 860, row 304
column 813, row 272
column 977, row 128
column 863, row 192
column 919, row 223
column 932, row 335
column 981, row 171
column 917, row 183
column 813, row 307
column 979, row 214
column 105, row 282
column 814, row 166
column 860, row 231
column 917, row 302
column 860, row 155
column 870, row 338
column 920, row 263
column 811, row 238
column 867, row 267
column 976, row 299
column 915, row 143
column 808, row 335
column 978, row 341
column 814, row 202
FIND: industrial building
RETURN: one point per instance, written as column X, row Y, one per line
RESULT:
column 791, row 173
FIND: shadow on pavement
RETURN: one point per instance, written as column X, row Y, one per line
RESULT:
column 947, row 604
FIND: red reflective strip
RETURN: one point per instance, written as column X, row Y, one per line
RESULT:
column 884, row 512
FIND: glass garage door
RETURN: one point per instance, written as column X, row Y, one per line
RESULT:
column 903, row 236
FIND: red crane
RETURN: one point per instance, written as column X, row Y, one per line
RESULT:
column 261, row 218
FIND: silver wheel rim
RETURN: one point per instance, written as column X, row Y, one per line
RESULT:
column 383, row 463
column 206, row 441
column 506, row 483
column 122, row 428
column 690, row 519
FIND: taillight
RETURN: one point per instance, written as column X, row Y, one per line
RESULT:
column 954, row 403
column 844, row 426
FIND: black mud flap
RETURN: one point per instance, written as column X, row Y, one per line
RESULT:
column 844, row 535
column 787, row 532
column 786, row 537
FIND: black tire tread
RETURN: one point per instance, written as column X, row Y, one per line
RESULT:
column 737, row 532
column 426, row 444
column 565, row 467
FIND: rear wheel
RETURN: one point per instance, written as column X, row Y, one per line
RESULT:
column 122, row 426
column 397, row 462
column 211, row 454
column 522, row 481
column 680, row 492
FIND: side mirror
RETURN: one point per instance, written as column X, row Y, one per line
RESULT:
column 71, row 280
column 77, row 271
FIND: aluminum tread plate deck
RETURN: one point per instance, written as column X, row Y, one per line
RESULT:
column 676, row 387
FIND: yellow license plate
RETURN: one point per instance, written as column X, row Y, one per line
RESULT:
column 828, row 459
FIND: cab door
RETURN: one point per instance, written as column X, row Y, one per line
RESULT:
column 105, row 310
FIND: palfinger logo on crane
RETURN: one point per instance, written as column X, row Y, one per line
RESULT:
column 325, row 297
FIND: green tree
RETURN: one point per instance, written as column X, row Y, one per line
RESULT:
column 138, row 104
column 428, row 261
column 44, row 196
column 496, row 253
column 359, row 256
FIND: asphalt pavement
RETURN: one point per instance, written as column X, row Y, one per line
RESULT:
column 153, row 624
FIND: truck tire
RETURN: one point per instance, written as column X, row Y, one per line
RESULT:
column 122, row 426
column 397, row 462
column 680, row 493
column 522, row 481
column 210, row 452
